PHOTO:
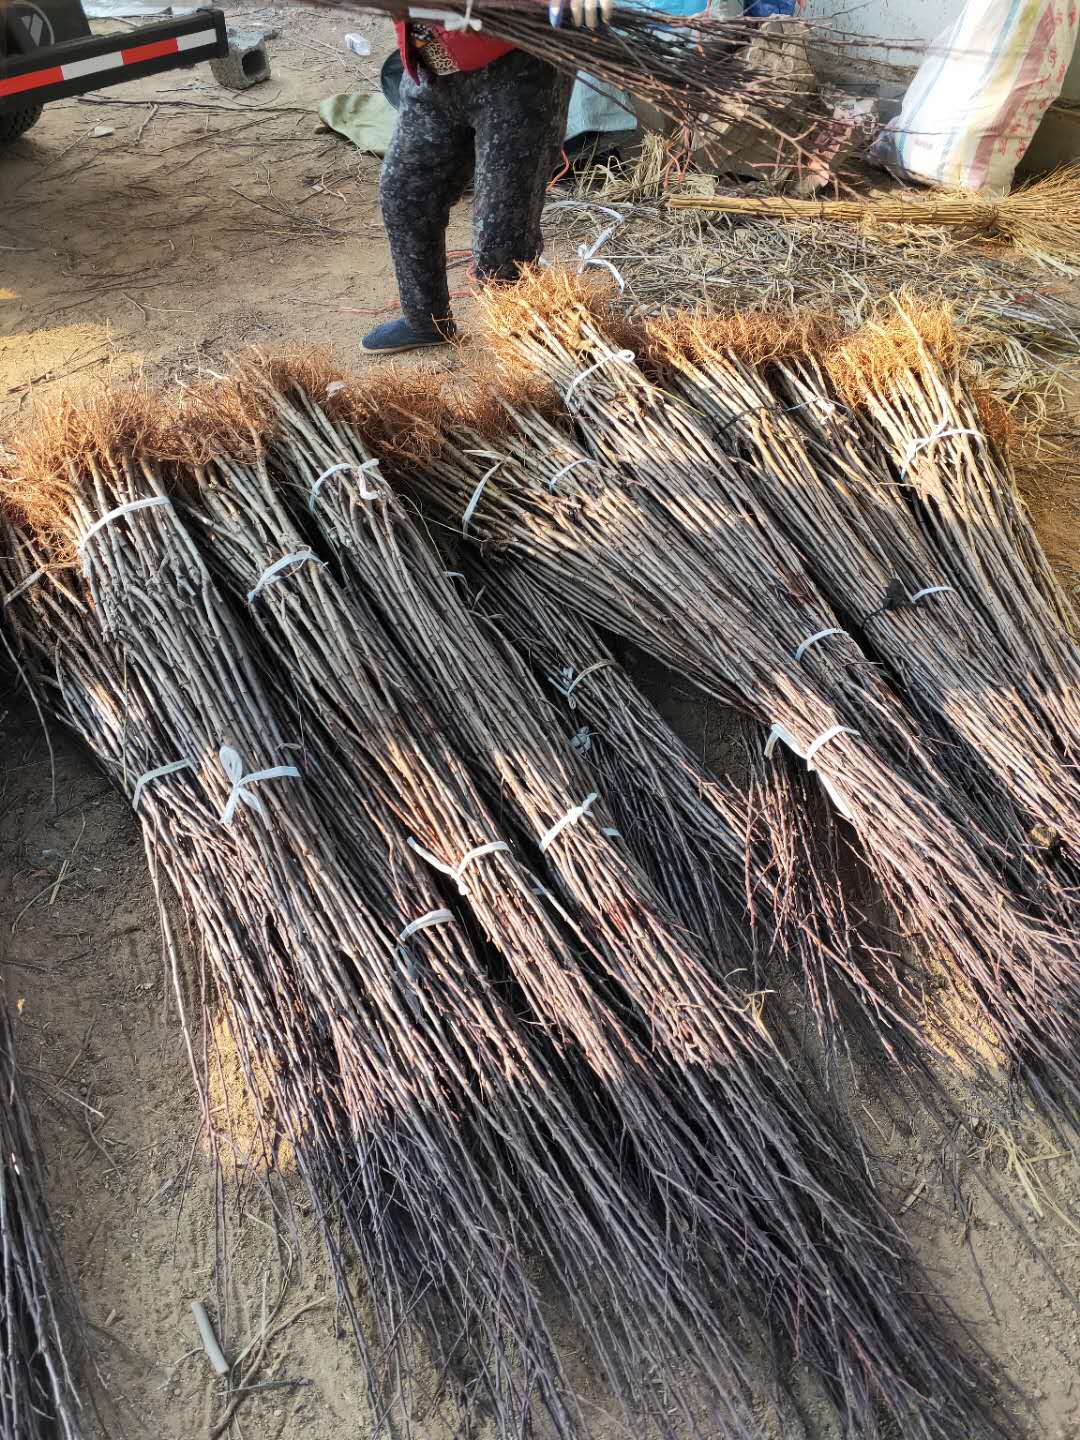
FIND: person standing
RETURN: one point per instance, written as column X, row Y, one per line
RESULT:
column 471, row 107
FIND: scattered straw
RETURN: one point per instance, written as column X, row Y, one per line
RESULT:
column 1042, row 218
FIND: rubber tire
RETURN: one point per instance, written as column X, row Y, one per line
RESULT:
column 15, row 123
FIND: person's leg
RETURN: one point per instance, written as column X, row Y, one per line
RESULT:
column 426, row 169
column 519, row 115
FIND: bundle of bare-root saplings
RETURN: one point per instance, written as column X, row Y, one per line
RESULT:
column 489, row 938
column 39, row 1392
column 656, row 519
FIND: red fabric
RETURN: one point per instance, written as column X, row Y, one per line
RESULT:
column 469, row 49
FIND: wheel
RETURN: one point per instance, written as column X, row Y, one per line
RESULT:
column 14, row 123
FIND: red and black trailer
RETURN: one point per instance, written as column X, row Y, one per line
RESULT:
column 48, row 53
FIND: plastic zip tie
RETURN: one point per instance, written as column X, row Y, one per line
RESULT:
column 781, row 732
column 277, row 569
column 581, row 741
column 813, row 640
column 320, row 481
column 623, row 357
column 158, row 774
column 570, row 818
column 943, row 431
column 148, row 502
column 368, row 467
column 457, row 871
column 587, row 254
column 422, row 922
column 566, row 469
column 930, row 590
column 823, row 739
column 572, row 681
column 474, row 499
column 240, row 794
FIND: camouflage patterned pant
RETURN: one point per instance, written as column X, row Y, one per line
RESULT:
column 508, row 120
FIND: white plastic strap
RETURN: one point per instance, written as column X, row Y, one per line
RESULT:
column 587, row 254
column 930, row 590
column 159, row 773
column 446, row 18
column 321, row 480
column 457, row 871
column 611, row 832
column 369, row 467
column 816, row 402
column 823, row 739
column 23, row 585
column 240, row 794
column 433, row 917
column 942, row 431
column 813, row 640
column 588, row 205
column 277, row 569
column 570, row 818
column 622, row 357
column 566, row 469
column 606, row 664
column 568, row 682
column 148, row 503
column 474, row 499
column 781, row 732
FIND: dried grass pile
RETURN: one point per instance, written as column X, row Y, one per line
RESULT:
column 39, row 1395
column 484, row 1026
column 1022, row 328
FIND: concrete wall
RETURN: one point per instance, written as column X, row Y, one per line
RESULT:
column 892, row 19
column 905, row 20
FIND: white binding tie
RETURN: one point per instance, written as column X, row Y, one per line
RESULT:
column 456, row 872
column 620, row 357
column 433, row 917
column 570, row 818
column 279, row 568
column 942, row 431
column 149, row 502
column 781, row 732
column 158, row 774
column 240, row 794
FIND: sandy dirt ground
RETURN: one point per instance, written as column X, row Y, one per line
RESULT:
column 204, row 222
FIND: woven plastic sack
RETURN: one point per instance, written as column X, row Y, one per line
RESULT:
column 978, row 97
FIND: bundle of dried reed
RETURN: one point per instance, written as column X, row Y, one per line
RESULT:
column 1041, row 218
